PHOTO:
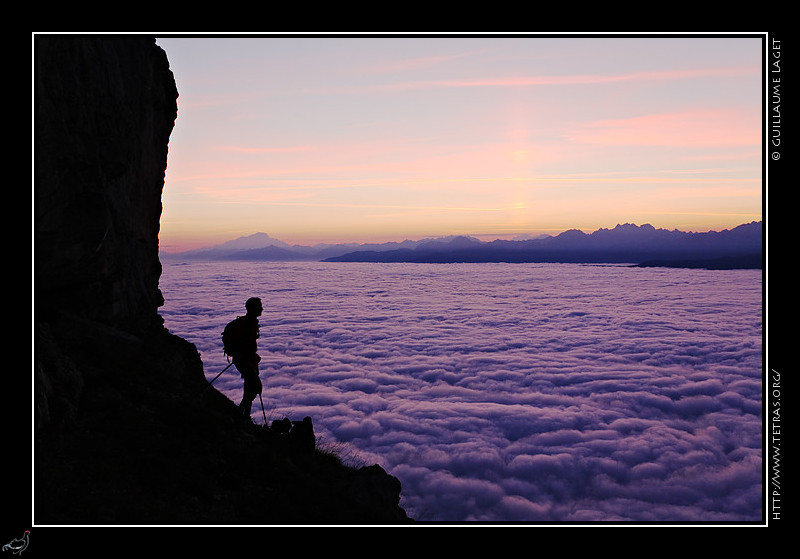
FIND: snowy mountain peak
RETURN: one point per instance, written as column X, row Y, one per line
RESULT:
column 256, row 240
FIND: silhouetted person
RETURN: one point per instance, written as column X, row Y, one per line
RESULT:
column 244, row 353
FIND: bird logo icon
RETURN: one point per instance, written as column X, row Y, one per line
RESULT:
column 18, row 545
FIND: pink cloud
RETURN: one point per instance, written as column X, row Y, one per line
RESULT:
column 694, row 128
column 248, row 149
column 584, row 79
column 409, row 64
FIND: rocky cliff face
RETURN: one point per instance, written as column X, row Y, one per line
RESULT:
column 105, row 109
column 125, row 431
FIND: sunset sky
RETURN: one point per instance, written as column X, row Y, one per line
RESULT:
column 386, row 138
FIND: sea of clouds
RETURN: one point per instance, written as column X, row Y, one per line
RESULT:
column 508, row 392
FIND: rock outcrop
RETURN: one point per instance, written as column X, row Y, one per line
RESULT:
column 125, row 432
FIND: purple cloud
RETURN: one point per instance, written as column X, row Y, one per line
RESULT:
column 518, row 393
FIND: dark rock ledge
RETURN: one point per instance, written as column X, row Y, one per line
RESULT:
column 124, row 430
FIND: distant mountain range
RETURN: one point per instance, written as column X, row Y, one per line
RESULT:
column 262, row 247
column 740, row 247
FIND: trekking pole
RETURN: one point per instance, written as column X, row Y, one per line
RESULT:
column 262, row 409
column 216, row 377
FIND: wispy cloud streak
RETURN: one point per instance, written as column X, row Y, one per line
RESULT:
column 581, row 79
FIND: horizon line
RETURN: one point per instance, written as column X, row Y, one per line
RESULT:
column 537, row 232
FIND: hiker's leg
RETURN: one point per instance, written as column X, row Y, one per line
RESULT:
column 252, row 388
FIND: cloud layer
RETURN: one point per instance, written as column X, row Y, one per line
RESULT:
column 509, row 392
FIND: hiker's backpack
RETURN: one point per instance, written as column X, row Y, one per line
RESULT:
column 233, row 336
